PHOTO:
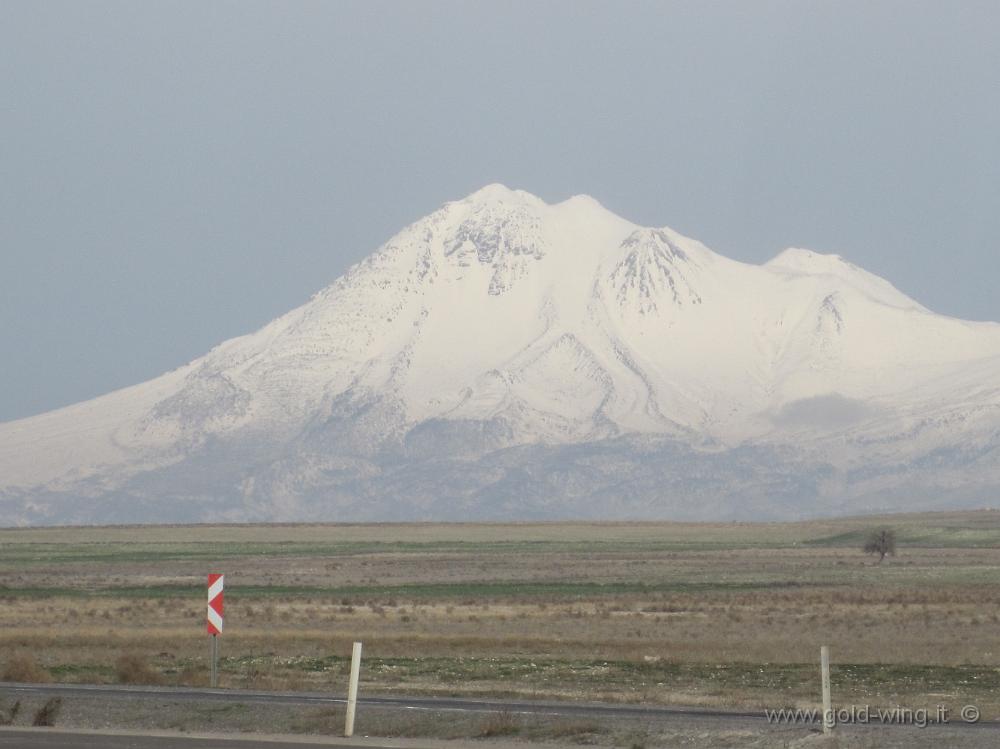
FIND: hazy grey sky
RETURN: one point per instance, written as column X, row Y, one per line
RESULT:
column 175, row 174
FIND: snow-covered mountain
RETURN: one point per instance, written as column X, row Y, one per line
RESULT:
column 506, row 358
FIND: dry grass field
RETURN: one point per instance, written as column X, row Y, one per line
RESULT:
column 696, row 614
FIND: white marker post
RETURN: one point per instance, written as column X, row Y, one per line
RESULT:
column 824, row 664
column 214, row 655
column 352, row 690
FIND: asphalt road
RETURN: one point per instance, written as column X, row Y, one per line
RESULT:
column 436, row 704
column 987, row 731
column 15, row 739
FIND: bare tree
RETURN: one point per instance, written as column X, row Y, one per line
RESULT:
column 881, row 542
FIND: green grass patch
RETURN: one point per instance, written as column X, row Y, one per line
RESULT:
column 112, row 553
column 493, row 590
column 82, row 672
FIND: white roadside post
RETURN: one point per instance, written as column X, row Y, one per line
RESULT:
column 352, row 690
column 824, row 662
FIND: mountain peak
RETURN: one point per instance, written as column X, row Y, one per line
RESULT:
column 810, row 263
column 583, row 200
column 495, row 192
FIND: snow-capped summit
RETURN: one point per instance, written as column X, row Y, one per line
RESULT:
column 504, row 357
column 809, row 263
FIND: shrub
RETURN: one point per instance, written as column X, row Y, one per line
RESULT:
column 8, row 720
column 24, row 668
column 47, row 713
column 132, row 668
column 502, row 723
column 193, row 676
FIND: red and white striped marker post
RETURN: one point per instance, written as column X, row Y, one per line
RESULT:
column 214, row 620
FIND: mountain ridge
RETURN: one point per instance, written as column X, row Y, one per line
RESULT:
column 500, row 322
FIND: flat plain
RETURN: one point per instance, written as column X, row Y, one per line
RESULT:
column 726, row 615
